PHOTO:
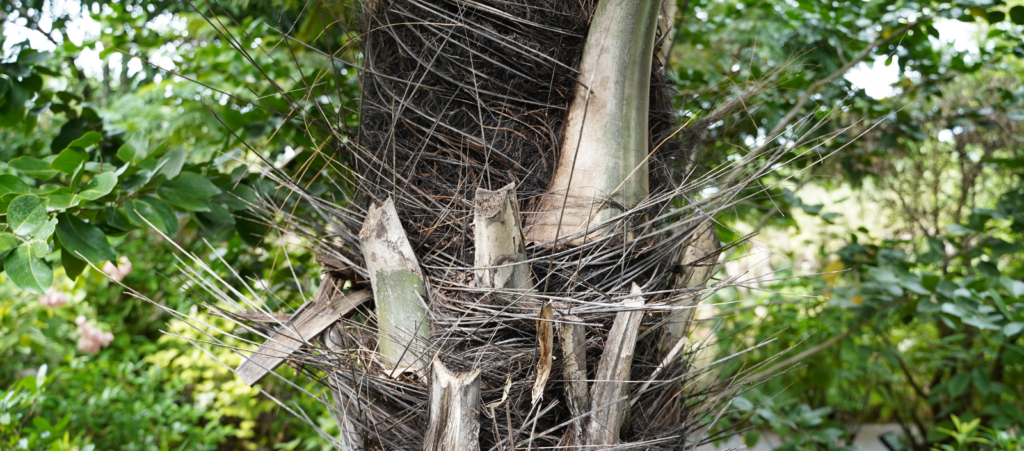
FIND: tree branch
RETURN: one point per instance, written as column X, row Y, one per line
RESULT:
column 781, row 125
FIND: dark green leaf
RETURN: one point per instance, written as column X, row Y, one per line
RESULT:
column 1017, row 14
column 981, row 381
column 751, row 438
column 811, row 209
column 33, row 167
column 73, row 266
column 958, row 385
column 32, row 56
column 217, row 213
column 69, row 160
column 214, row 231
column 99, row 186
column 10, row 187
column 149, row 211
column 116, row 220
column 988, row 269
column 80, row 237
column 26, row 214
column 995, row 16
column 193, row 185
column 135, row 181
column 250, row 229
column 239, row 197
column 26, row 268
column 180, row 200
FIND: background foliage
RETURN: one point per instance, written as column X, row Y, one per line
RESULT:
column 133, row 128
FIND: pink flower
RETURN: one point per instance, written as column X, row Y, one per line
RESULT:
column 53, row 298
column 119, row 271
column 91, row 339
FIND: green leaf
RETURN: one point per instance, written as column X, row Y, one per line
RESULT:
column 33, row 167
column 44, row 189
column 93, row 166
column 217, row 213
column 99, row 186
column 7, row 241
column 117, row 220
column 742, row 403
column 959, row 384
column 172, row 163
column 149, row 211
column 988, row 269
column 73, row 266
column 69, row 160
column 46, row 231
column 188, row 192
column 41, row 377
column 31, row 56
column 26, row 268
column 62, row 198
column 76, row 177
column 85, row 141
column 193, row 185
column 12, row 184
column 250, row 229
column 26, row 214
column 957, row 230
column 1017, row 14
column 1013, row 329
column 239, row 197
column 995, row 16
column 10, row 187
column 751, row 438
column 214, row 231
column 178, row 199
column 134, row 149
column 1015, row 287
column 80, row 237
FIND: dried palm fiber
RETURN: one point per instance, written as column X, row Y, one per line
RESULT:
column 464, row 95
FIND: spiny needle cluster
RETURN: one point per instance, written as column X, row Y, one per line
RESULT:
column 459, row 95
